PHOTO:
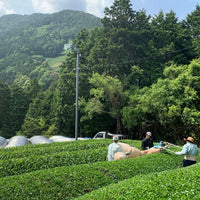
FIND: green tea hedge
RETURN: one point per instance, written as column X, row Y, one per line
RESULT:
column 176, row 184
column 74, row 181
column 42, row 149
column 22, row 165
column 25, row 151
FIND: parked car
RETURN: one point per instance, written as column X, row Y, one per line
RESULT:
column 104, row 134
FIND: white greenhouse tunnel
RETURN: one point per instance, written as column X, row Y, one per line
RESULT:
column 38, row 139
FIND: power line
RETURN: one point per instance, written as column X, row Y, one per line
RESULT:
column 152, row 56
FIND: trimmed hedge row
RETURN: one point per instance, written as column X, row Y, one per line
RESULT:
column 77, row 180
column 51, row 148
column 181, row 183
column 22, row 165
column 42, row 149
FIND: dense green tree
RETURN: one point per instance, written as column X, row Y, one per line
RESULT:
column 40, row 114
column 33, row 126
column 119, row 15
column 33, row 89
column 18, row 108
column 168, row 42
column 193, row 25
column 65, row 99
column 169, row 105
column 124, row 39
column 66, row 88
column 5, row 110
column 106, row 97
column 131, row 46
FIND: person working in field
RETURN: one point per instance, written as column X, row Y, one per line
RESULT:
column 190, row 151
column 147, row 142
column 113, row 148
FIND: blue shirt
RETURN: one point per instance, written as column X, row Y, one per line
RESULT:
column 112, row 149
column 189, row 149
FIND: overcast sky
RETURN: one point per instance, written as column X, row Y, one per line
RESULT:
column 95, row 7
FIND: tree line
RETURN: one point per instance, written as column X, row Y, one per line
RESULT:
column 137, row 73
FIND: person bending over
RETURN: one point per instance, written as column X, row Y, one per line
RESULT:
column 113, row 148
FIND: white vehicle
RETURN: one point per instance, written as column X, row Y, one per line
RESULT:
column 104, row 134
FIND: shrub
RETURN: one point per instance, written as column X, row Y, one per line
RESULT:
column 22, row 165
column 181, row 183
column 73, row 181
column 42, row 149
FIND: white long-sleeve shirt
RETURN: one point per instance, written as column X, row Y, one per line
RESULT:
column 189, row 149
column 112, row 149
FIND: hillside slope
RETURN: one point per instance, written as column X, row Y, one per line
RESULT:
column 22, row 37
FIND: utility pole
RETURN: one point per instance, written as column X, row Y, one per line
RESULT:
column 77, row 92
column 73, row 48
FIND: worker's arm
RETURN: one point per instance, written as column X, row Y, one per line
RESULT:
column 183, row 151
column 143, row 145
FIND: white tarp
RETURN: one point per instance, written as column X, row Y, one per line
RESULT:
column 17, row 141
column 3, row 142
column 39, row 139
column 81, row 138
column 60, row 138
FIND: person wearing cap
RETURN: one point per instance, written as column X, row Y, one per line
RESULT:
column 113, row 148
column 190, row 151
column 147, row 142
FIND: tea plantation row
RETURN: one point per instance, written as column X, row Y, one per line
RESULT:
column 66, row 157
column 74, row 181
column 182, row 184
column 42, row 149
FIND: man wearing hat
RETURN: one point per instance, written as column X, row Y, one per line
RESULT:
column 147, row 142
column 190, row 151
column 113, row 148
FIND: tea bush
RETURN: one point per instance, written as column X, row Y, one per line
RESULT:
column 42, row 149
column 176, row 184
column 74, row 181
column 35, row 158
column 22, row 165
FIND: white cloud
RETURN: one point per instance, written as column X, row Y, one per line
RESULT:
column 50, row 6
column 96, row 7
column 4, row 10
column 42, row 6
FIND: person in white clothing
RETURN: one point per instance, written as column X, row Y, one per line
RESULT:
column 113, row 148
column 190, row 151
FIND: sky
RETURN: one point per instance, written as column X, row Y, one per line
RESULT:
column 96, row 7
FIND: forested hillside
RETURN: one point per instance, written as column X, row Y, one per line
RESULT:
column 27, row 40
column 138, row 73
